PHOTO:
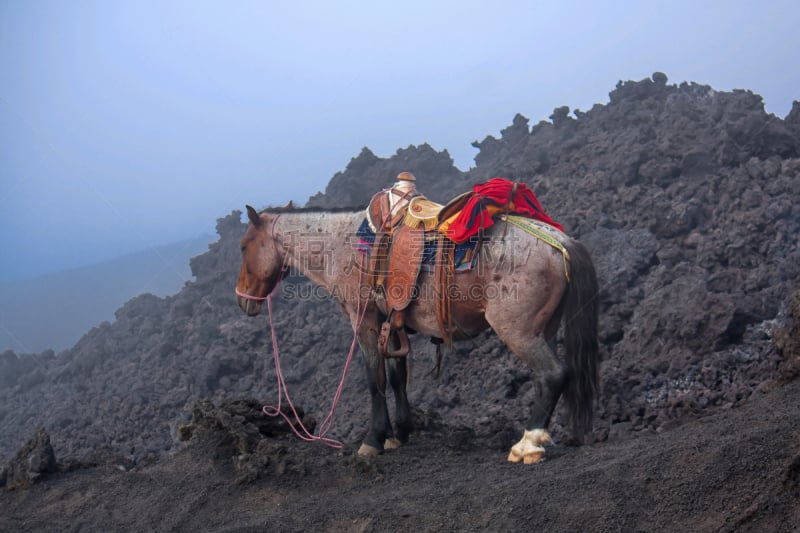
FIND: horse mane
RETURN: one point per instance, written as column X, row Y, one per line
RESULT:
column 291, row 208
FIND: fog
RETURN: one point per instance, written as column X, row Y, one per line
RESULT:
column 127, row 125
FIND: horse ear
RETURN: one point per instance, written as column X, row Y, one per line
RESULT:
column 252, row 214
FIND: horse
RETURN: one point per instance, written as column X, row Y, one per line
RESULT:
column 520, row 287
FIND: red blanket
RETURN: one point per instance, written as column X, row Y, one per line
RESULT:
column 491, row 198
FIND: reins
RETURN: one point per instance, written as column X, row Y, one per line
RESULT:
column 269, row 410
column 303, row 433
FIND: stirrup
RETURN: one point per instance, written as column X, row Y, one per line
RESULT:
column 383, row 341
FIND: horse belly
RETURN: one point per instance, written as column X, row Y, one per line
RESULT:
column 467, row 314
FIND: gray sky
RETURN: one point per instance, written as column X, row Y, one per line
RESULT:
column 128, row 124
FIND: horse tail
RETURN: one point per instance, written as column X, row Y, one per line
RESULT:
column 580, row 338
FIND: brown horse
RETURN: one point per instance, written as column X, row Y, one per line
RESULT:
column 520, row 287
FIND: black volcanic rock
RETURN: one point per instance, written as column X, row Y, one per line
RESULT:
column 367, row 174
column 687, row 197
column 792, row 120
column 787, row 340
column 34, row 459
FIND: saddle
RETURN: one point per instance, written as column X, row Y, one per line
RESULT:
column 396, row 261
column 401, row 234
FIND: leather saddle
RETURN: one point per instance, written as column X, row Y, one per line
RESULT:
column 396, row 261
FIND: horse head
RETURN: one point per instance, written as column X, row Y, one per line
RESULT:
column 262, row 262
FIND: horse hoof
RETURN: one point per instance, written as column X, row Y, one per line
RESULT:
column 529, row 449
column 368, row 451
column 531, row 458
column 392, row 444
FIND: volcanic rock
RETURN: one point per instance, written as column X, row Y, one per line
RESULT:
column 33, row 460
column 686, row 196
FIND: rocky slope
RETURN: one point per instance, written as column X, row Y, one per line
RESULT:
column 689, row 199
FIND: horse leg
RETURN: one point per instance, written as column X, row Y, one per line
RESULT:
column 380, row 426
column 398, row 378
column 535, row 346
column 550, row 379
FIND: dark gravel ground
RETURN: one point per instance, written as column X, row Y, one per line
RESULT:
column 737, row 469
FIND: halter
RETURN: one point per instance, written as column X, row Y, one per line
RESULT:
column 251, row 297
column 284, row 272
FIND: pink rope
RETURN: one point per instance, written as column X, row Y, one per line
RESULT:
column 249, row 296
column 326, row 424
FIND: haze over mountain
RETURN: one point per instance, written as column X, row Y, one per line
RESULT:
column 53, row 311
column 130, row 124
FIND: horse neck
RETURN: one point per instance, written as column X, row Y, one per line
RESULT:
column 317, row 243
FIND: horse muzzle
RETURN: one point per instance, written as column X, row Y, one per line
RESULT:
column 251, row 307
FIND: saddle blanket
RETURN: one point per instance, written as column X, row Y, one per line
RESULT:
column 464, row 255
column 496, row 196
